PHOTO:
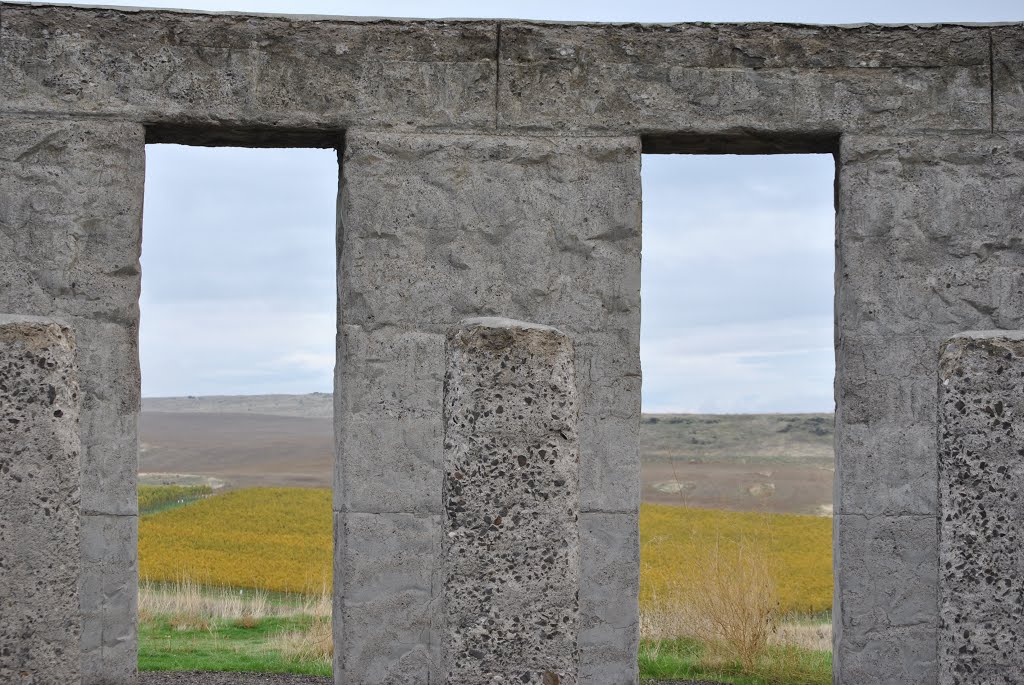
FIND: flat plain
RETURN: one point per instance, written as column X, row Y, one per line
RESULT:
column 775, row 463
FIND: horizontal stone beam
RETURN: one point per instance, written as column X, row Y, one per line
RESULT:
column 743, row 81
column 272, row 80
column 185, row 72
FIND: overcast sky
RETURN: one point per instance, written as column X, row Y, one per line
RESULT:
column 238, row 249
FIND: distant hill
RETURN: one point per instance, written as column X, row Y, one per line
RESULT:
column 669, row 437
column 315, row 405
column 725, row 437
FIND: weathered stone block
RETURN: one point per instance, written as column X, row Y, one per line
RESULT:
column 884, row 382
column 511, row 554
column 487, row 226
column 889, row 656
column 742, row 79
column 388, row 588
column 927, row 234
column 886, row 467
column 525, row 227
column 1008, row 77
column 389, row 464
column 390, row 372
column 609, row 592
column 109, row 599
column 40, row 624
column 885, row 610
column 238, row 72
column 981, row 484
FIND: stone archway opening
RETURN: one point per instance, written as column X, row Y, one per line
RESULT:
column 736, row 437
column 236, row 461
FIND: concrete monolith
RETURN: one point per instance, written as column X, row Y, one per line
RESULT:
column 40, row 624
column 981, row 490
column 511, row 505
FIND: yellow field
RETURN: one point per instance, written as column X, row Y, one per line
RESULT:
column 270, row 538
column 280, row 539
column 673, row 540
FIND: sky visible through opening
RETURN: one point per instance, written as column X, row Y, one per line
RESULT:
column 238, row 271
column 238, row 291
column 737, row 283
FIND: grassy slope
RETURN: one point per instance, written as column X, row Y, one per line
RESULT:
column 276, row 539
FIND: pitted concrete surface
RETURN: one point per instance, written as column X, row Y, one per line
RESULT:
column 40, row 625
column 981, row 393
column 511, row 497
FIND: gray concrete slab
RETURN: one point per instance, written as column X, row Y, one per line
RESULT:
column 1008, row 78
column 683, row 80
column 189, row 70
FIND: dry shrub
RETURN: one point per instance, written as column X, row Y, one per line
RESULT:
column 729, row 604
column 799, row 549
column 733, row 606
column 315, row 644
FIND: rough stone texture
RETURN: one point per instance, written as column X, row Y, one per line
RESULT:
column 609, row 624
column 510, row 551
column 387, row 615
column 1008, row 78
column 981, row 481
column 535, row 228
column 928, row 245
column 70, row 222
column 40, row 624
column 189, row 69
column 673, row 80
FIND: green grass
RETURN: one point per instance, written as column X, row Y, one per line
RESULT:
column 156, row 498
column 683, row 659
column 222, row 647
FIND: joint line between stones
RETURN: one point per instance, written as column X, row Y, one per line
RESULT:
column 991, row 81
column 498, row 70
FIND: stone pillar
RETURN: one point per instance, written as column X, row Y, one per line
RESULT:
column 70, row 231
column 436, row 228
column 927, row 247
column 981, row 491
column 510, row 549
column 40, row 626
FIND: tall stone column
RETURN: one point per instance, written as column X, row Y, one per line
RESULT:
column 40, row 626
column 70, row 233
column 437, row 228
column 927, row 231
column 981, row 491
column 510, row 550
